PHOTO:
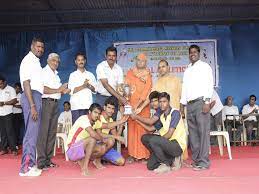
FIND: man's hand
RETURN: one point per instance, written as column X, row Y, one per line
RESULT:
column 66, row 91
column 86, row 83
column 206, row 108
column 124, row 118
column 120, row 139
column 62, row 88
column 137, row 111
column 182, row 111
column 34, row 113
column 133, row 116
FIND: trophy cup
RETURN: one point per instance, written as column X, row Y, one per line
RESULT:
column 126, row 91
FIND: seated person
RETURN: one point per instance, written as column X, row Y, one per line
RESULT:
column 227, row 115
column 249, row 119
column 82, row 141
column 65, row 118
column 106, row 127
column 172, row 138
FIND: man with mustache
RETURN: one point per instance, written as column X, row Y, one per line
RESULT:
column 109, row 76
column 82, row 84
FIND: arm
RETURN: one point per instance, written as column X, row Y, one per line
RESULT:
column 147, row 121
column 115, row 123
column 28, row 93
column 94, row 134
column 10, row 102
column 149, row 128
column 48, row 90
column 169, row 133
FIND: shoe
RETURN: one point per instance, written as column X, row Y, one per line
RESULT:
column 15, row 153
column 33, row 172
column 163, row 168
column 199, row 168
column 52, row 165
column 3, row 152
column 44, row 167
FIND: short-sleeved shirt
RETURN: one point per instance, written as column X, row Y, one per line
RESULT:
column 30, row 69
column 247, row 109
column 172, row 120
column 78, row 131
column 114, row 77
column 84, row 98
column 18, row 110
column 7, row 94
column 51, row 80
column 98, row 124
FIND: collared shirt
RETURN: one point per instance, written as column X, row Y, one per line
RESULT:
column 51, row 80
column 248, row 109
column 98, row 124
column 114, row 77
column 230, row 110
column 17, row 110
column 172, row 85
column 197, row 82
column 218, row 106
column 78, row 131
column 84, row 98
column 7, row 94
column 30, row 69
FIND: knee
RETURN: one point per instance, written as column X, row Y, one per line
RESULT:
column 110, row 142
column 144, row 138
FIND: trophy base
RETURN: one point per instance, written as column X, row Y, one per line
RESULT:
column 128, row 110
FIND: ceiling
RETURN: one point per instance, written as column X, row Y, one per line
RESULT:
column 17, row 14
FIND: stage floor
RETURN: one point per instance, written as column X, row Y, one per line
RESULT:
column 240, row 175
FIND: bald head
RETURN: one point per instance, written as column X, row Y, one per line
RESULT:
column 141, row 61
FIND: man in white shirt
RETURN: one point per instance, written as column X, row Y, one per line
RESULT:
column 82, row 84
column 197, row 90
column 231, row 119
column 49, row 119
column 250, row 119
column 109, row 77
column 32, row 85
column 65, row 118
column 17, row 115
column 7, row 100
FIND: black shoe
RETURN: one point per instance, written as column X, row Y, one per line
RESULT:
column 44, row 167
column 3, row 152
column 52, row 165
column 199, row 168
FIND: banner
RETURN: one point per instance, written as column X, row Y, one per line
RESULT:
column 175, row 52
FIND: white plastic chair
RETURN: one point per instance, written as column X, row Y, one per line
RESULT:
column 220, row 135
column 63, row 136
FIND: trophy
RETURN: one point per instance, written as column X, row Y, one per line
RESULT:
column 125, row 90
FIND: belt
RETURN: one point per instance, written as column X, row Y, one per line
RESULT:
column 195, row 100
column 50, row 99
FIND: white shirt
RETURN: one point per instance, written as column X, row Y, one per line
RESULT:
column 197, row 82
column 114, row 77
column 230, row 110
column 30, row 69
column 51, row 80
column 65, row 117
column 84, row 98
column 247, row 109
column 7, row 94
column 218, row 104
column 17, row 110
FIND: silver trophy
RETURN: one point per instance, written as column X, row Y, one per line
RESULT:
column 126, row 91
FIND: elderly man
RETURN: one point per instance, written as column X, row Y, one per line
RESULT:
column 166, row 82
column 109, row 76
column 32, row 85
column 49, row 120
column 7, row 131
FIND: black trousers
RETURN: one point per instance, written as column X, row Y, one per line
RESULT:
column 18, row 123
column 47, row 134
column 161, row 150
column 8, row 138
